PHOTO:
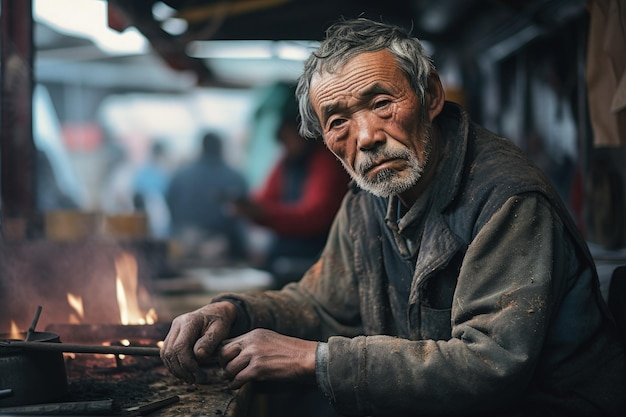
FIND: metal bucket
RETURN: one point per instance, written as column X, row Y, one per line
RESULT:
column 34, row 377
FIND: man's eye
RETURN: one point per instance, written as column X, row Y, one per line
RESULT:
column 381, row 103
column 336, row 123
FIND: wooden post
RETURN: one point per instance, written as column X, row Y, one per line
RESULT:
column 17, row 149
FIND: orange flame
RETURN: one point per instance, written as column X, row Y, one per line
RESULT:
column 126, row 284
column 76, row 302
column 14, row 333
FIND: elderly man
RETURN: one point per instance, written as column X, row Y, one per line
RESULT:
column 453, row 281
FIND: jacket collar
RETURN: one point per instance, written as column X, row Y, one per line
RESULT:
column 453, row 124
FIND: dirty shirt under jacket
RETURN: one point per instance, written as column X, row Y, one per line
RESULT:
column 504, row 314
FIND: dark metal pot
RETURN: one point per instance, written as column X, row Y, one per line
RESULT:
column 33, row 376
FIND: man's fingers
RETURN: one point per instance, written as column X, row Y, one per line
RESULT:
column 193, row 339
column 236, row 371
column 229, row 350
column 205, row 348
column 177, row 353
column 182, row 365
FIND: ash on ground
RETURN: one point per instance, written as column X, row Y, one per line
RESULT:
column 137, row 381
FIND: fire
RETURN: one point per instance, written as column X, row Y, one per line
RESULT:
column 14, row 333
column 127, row 289
column 76, row 302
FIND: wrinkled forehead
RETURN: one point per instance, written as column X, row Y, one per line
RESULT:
column 363, row 68
column 333, row 63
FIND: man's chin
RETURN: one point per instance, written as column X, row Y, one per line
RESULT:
column 388, row 186
column 382, row 189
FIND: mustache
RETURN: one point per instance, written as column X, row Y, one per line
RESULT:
column 370, row 160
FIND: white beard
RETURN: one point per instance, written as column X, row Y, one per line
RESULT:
column 388, row 182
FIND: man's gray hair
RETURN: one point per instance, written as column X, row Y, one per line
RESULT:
column 348, row 38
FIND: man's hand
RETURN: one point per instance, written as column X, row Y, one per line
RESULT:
column 194, row 337
column 264, row 355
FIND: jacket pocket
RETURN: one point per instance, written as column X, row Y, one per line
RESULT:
column 435, row 323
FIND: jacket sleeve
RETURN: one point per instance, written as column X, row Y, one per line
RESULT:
column 323, row 303
column 505, row 296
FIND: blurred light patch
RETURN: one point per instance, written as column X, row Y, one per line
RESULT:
column 165, row 14
column 285, row 50
column 174, row 26
column 88, row 19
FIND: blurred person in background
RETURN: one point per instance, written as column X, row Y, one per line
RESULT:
column 116, row 194
column 150, row 183
column 198, row 196
column 298, row 201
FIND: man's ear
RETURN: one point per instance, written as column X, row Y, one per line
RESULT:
column 435, row 95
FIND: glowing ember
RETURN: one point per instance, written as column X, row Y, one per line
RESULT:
column 76, row 302
column 127, row 289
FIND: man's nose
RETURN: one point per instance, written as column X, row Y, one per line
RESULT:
column 368, row 132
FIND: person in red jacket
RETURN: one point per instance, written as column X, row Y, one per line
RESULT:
column 298, row 203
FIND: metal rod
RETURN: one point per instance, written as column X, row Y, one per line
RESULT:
column 6, row 392
column 33, row 324
column 96, row 333
column 150, row 407
column 73, row 348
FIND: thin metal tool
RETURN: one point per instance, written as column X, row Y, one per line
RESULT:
column 73, row 348
column 142, row 410
column 33, row 324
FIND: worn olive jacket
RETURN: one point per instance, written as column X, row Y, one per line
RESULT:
column 505, row 315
